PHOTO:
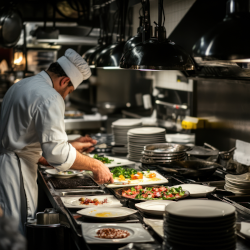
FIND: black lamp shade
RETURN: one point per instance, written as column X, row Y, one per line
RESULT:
column 157, row 55
column 111, row 55
column 229, row 40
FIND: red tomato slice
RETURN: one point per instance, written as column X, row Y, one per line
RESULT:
column 144, row 195
column 162, row 189
column 156, row 189
column 138, row 187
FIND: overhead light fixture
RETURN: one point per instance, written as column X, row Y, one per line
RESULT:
column 133, row 41
column 111, row 55
column 104, row 40
column 158, row 52
column 229, row 40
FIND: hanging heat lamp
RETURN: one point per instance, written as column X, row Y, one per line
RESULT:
column 156, row 53
column 110, row 57
column 133, row 41
column 230, row 39
column 104, row 40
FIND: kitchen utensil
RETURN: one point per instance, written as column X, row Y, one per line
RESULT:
column 73, row 202
column 199, row 151
column 163, row 148
column 11, row 26
column 196, row 190
column 118, row 193
column 106, row 213
column 49, row 216
column 192, row 168
column 137, row 233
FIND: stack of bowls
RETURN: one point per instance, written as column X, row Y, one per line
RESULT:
column 139, row 137
column 164, row 153
column 238, row 184
column 200, row 224
column 120, row 129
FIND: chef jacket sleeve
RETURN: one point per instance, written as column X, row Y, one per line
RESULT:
column 50, row 129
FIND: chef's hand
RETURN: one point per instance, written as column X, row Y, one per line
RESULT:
column 102, row 174
column 83, row 146
column 42, row 161
column 85, row 138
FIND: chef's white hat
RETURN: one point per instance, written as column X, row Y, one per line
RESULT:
column 75, row 67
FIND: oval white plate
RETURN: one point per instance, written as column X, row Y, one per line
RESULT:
column 154, row 207
column 196, row 190
column 107, row 213
column 55, row 173
column 200, row 208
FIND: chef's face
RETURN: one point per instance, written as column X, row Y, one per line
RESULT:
column 65, row 87
column 67, row 90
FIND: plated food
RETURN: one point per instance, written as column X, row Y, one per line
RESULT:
column 197, row 190
column 62, row 174
column 115, row 233
column 154, row 193
column 112, row 162
column 112, row 233
column 130, row 177
column 91, row 201
column 106, row 213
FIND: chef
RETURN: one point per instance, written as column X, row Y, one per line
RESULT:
column 31, row 124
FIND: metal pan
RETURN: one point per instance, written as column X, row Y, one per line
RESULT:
column 203, row 152
column 164, row 148
column 151, row 161
column 118, row 193
column 192, row 168
column 163, row 156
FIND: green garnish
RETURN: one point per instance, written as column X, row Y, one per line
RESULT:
column 148, row 170
column 133, row 189
column 102, row 159
column 126, row 172
column 69, row 172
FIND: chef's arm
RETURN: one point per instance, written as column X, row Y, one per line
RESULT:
column 100, row 171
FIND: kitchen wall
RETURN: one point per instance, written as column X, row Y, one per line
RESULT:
column 174, row 10
column 227, row 103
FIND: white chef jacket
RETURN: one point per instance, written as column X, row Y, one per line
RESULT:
column 31, row 124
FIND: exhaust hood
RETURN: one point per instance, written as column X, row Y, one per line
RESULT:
column 204, row 16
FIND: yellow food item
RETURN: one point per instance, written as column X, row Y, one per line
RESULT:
column 104, row 214
column 121, row 178
column 154, row 179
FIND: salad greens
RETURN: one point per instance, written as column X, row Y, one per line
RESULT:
column 126, row 172
column 102, row 159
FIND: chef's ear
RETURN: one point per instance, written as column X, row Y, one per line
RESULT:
column 64, row 81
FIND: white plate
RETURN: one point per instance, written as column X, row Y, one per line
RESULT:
column 245, row 229
column 117, row 162
column 136, row 230
column 127, row 122
column 145, row 181
column 54, row 173
column 200, row 208
column 107, row 213
column 196, row 190
column 155, row 207
column 146, row 131
column 243, row 178
column 73, row 202
column 157, row 225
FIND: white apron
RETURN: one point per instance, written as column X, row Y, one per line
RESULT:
column 31, row 125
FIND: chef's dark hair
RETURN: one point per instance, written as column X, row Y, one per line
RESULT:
column 58, row 70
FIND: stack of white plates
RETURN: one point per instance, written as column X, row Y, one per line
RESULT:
column 200, row 224
column 139, row 137
column 238, row 184
column 120, row 129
